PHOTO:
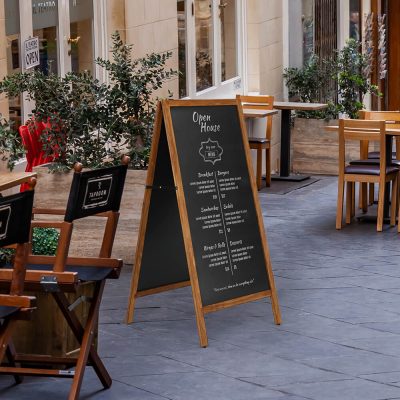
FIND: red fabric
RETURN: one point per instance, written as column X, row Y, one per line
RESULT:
column 31, row 140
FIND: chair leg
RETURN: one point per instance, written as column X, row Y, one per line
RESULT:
column 259, row 167
column 11, row 354
column 339, row 210
column 393, row 201
column 87, row 342
column 85, row 337
column 349, row 201
column 381, row 207
column 364, row 197
column 353, row 200
column 268, row 167
column 371, row 194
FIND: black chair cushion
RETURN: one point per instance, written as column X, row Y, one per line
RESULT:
column 366, row 169
column 373, row 161
column 85, row 274
column 6, row 311
column 376, row 154
column 258, row 140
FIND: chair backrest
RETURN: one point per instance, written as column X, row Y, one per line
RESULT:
column 15, row 222
column 361, row 131
column 392, row 119
column 96, row 191
column 260, row 103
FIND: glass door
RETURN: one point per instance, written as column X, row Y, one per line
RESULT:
column 81, row 52
column 45, row 27
column 211, row 43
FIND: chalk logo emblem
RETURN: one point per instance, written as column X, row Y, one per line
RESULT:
column 5, row 213
column 211, row 151
column 97, row 192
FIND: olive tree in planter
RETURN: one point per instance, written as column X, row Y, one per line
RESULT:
column 90, row 121
column 314, row 149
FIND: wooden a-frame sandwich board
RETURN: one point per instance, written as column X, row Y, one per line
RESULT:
column 201, row 222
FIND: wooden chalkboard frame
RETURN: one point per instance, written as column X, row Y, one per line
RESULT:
column 164, row 116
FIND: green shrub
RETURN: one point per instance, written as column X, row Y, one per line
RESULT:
column 44, row 242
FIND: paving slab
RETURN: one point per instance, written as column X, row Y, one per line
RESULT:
column 339, row 293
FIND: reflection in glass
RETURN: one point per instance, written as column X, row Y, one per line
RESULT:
column 45, row 21
column 355, row 12
column 228, row 39
column 48, row 49
column 81, row 35
column 204, row 43
column 308, row 29
column 12, row 26
column 182, row 47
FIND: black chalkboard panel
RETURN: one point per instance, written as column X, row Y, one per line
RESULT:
column 164, row 257
column 223, row 222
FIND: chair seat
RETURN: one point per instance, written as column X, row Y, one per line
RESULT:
column 374, row 161
column 6, row 311
column 376, row 154
column 259, row 140
column 85, row 273
column 367, row 169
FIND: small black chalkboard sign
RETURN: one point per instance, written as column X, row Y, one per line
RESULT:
column 201, row 221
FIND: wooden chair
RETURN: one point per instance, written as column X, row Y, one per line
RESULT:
column 364, row 130
column 393, row 120
column 264, row 143
column 93, row 193
column 15, row 221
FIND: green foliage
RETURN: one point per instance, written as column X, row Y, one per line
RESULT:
column 310, row 84
column 131, row 95
column 352, row 83
column 11, row 142
column 89, row 121
column 44, row 242
column 345, row 93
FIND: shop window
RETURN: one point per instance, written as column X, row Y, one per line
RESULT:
column 11, row 11
column 208, row 47
column 355, row 20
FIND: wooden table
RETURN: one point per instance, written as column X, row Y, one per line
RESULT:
column 286, row 107
column 11, row 179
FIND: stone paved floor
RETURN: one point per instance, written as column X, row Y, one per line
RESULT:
column 340, row 339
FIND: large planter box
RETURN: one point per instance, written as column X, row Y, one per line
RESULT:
column 316, row 151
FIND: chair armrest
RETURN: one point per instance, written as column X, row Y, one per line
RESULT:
column 35, row 276
column 76, row 261
column 17, row 301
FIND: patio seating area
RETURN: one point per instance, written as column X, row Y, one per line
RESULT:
column 340, row 332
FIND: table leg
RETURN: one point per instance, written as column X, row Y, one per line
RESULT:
column 285, row 151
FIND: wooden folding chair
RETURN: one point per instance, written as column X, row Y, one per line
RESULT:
column 15, row 221
column 93, row 193
column 264, row 143
column 392, row 118
column 364, row 131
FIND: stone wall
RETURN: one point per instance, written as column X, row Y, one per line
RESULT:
column 151, row 25
column 265, row 62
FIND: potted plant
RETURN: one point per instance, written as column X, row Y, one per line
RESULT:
column 342, row 83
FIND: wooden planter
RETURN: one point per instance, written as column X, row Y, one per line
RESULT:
column 48, row 333
column 316, row 151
